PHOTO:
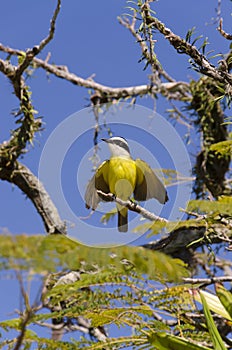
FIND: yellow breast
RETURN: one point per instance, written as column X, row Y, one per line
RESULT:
column 122, row 177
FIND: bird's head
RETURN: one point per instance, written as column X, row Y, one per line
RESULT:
column 118, row 146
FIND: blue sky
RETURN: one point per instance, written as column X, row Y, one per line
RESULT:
column 88, row 40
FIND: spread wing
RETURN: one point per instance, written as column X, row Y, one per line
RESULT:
column 148, row 184
column 97, row 182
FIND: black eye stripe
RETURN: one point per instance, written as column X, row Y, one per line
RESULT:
column 122, row 144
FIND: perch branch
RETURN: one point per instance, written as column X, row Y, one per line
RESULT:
column 131, row 206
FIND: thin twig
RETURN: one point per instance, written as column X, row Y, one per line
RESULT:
column 59, row 326
column 29, row 124
column 25, row 316
column 31, row 53
column 222, row 32
column 148, row 54
column 50, row 36
column 25, row 321
column 207, row 281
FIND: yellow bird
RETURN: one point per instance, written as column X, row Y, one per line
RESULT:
column 123, row 176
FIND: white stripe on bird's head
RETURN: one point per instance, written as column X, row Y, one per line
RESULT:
column 118, row 146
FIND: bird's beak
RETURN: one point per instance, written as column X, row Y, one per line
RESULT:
column 105, row 140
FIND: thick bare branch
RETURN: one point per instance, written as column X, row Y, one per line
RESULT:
column 24, row 179
column 179, row 88
column 176, row 90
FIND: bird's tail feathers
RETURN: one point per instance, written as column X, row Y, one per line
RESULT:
column 123, row 221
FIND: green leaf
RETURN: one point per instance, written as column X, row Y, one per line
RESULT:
column 164, row 341
column 223, row 206
column 203, row 46
column 223, row 147
column 196, row 39
column 189, row 34
column 154, row 227
column 46, row 254
column 21, row 57
column 117, row 315
column 158, row 227
column 213, row 303
column 14, row 323
column 225, row 297
column 216, row 99
column 173, row 177
column 109, row 215
column 213, row 331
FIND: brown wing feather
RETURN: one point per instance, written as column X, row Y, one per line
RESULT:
column 97, row 182
column 148, row 184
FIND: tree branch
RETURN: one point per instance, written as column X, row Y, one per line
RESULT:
column 29, row 124
column 146, row 52
column 222, row 32
column 81, row 326
column 11, row 149
column 24, row 179
column 20, row 338
column 207, row 281
column 26, row 315
column 31, row 53
column 60, row 325
column 131, row 206
column 107, row 92
column 183, row 241
column 182, row 46
column 178, row 90
column 51, row 33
